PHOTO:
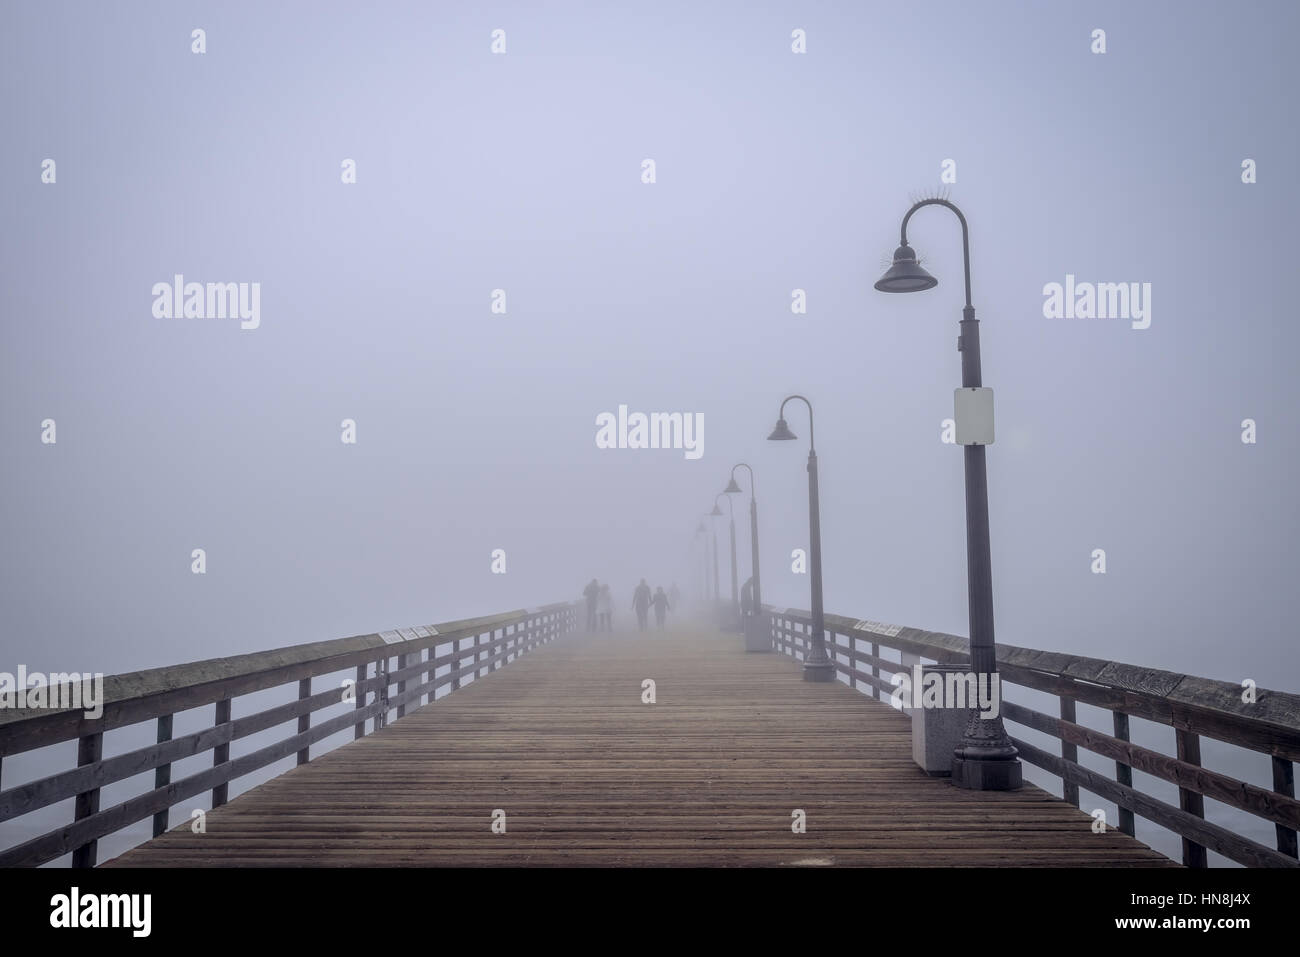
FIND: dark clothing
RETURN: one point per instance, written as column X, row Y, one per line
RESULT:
column 747, row 597
column 641, row 602
column 661, row 607
column 641, row 597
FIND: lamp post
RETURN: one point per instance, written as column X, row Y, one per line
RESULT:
column 735, row 588
column 817, row 666
column 701, row 535
column 717, row 595
column 733, row 489
column 986, row 759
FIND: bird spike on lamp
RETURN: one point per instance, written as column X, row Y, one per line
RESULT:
column 906, row 274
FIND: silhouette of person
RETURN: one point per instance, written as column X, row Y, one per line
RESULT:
column 591, row 592
column 747, row 597
column 661, row 607
column 605, row 609
column 641, row 602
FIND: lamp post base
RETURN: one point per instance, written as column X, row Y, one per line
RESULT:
column 986, row 760
column 818, row 671
column 1000, row 774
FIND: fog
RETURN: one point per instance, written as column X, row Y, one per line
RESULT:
column 774, row 172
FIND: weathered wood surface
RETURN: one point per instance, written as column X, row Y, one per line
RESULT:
column 587, row 774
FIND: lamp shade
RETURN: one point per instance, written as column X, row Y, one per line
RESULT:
column 906, row 274
column 781, row 432
column 732, row 488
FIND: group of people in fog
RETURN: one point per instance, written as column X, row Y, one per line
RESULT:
column 600, row 605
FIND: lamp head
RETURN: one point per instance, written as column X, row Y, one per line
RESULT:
column 716, row 510
column 732, row 488
column 906, row 274
column 782, row 432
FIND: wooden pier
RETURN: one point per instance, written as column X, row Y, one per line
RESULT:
column 586, row 772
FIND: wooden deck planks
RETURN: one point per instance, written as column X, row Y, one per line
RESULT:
column 588, row 775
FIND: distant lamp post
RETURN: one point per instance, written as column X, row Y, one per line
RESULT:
column 716, row 513
column 817, row 665
column 735, row 587
column 986, row 759
column 734, row 489
column 702, row 536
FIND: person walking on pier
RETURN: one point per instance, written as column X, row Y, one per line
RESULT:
column 605, row 609
column 641, row 602
column 590, row 593
column 747, row 597
column 661, row 607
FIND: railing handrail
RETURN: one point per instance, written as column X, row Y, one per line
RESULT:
column 160, row 693
column 1272, row 711
column 136, row 696
column 1192, row 706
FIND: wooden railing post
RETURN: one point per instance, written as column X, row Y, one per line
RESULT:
column 401, row 686
column 359, row 729
column 853, row 658
column 875, row 672
column 906, row 662
column 90, row 749
column 221, row 754
column 1284, row 784
column 304, row 720
column 455, row 663
column 1189, row 750
column 1069, row 752
column 381, row 672
column 1123, row 775
column 162, row 775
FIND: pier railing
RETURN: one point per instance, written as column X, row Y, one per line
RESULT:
column 394, row 670
column 1267, row 722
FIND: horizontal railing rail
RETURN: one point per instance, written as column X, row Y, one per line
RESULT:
column 477, row 647
column 1193, row 707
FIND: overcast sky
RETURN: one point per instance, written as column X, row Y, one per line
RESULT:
column 774, row 171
